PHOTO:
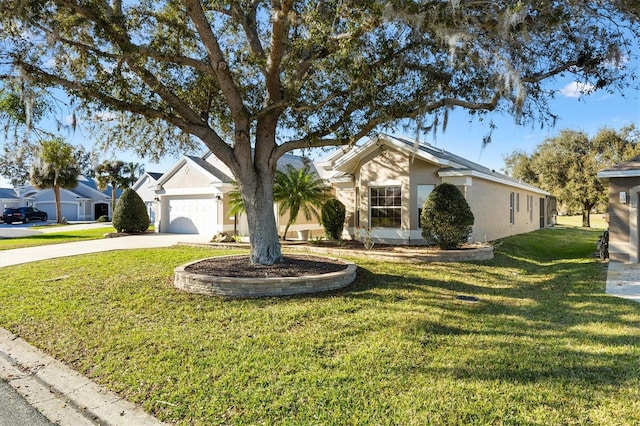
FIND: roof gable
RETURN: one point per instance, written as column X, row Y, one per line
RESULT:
column 450, row 164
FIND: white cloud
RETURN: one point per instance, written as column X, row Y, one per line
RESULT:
column 576, row 89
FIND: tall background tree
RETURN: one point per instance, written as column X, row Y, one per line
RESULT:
column 118, row 175
column 24, row 109
column 567, row 165
column 56, row 168
column 253, row 80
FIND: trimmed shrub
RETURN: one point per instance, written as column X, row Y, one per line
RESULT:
column 446, row 217
column 130, row 214
column 333, row 214
column 103, row 218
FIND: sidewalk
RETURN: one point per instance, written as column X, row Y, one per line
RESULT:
column 149, row 240
column 623, row 280
column 62, row 395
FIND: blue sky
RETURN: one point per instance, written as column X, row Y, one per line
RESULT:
column 463, row 137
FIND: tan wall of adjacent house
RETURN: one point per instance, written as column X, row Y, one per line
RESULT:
column 623, row 219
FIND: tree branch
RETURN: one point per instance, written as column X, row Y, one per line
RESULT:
column 218, row 62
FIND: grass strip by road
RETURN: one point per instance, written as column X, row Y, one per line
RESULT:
column 542, row 345
column 55, row 238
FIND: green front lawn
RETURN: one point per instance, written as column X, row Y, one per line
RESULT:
column 544, row 344
column 55, row 238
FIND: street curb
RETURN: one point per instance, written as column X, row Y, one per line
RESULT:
column 64, row 396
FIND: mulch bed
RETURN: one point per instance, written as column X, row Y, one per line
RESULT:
column 240, row 267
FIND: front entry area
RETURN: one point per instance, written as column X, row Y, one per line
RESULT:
column 100, row 209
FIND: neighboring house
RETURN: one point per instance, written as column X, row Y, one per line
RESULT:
column 146, row 189
column 385, row 181
column 8, row 198
column 623, row 180
column 383, row 184
column 84, row 202
column 192, row 199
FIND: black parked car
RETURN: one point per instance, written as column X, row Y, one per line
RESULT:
column 23, row 214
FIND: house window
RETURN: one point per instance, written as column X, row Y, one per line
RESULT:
column 512, row 216
column 423, row 194
column 386, row 207
column 518, row 202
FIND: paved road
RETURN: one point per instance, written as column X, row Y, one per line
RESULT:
column 16, row 411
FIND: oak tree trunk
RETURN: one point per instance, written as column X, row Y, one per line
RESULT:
column 263, row 232
column 585, row 218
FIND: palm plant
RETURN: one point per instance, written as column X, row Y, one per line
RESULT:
column 133, row 171
column 298, row 190
column 236, row 205
column 112, row 173
column 56, row 169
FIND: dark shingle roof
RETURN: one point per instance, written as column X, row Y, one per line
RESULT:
column 462, row 163
column 155, row 175
column 8, row 193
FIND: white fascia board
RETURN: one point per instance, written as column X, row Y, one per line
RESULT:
column 607, row 174
column 390, row 140
column 341, row 179
column 473, row 173
column 207, row 190
column 342, row 164
column 176, row 167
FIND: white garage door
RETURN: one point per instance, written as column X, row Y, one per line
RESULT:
column 192, row 215
column 69, row 210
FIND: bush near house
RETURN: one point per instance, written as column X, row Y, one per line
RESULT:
column 446, row 217
column 333, row 214
column 130, row 214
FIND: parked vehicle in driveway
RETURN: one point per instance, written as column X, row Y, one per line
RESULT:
column 23, row 214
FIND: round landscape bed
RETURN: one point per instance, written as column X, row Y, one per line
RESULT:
column 234, row 276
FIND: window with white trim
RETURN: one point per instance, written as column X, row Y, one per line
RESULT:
column 512, row 216
column 385, row 207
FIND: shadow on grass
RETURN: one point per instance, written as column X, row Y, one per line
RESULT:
column 541, row 313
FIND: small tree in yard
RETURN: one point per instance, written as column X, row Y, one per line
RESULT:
column 130, row 214
column 333, row 214
column 446, row 217
column 298, row 190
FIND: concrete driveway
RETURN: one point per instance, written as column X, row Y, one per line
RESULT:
column 19, row 229
column 149, row 240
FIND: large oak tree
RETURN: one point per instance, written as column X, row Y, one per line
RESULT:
column 255, row 79
column 567, row 165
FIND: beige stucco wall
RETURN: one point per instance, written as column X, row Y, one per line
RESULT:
column 187, row 177
column 490, row 202
column 421, row 173
column 623, row 219
column 384, row 168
